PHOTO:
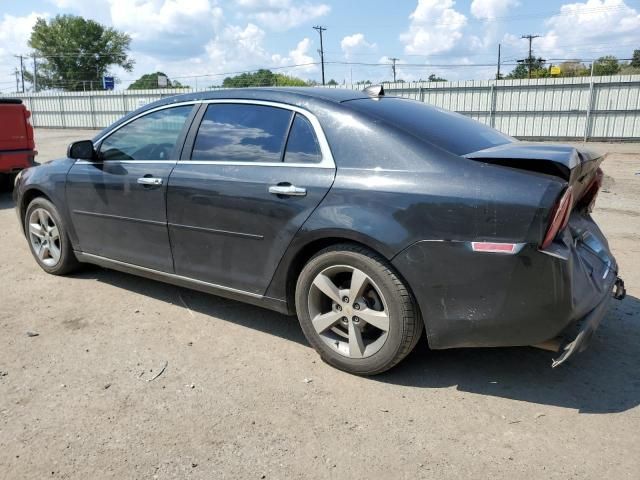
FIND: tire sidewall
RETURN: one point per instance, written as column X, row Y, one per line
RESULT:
column 65, row 249
column 383, row 358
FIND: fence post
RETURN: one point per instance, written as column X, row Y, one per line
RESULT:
column 492, row 105
column 62, row 121
column 587, row 120
column 124, row 103
column 93, row 111
column 421, row 93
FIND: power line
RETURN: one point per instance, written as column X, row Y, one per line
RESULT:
column 321, row 29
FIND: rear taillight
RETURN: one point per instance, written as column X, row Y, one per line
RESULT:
column 559, row 218
column 588, row 199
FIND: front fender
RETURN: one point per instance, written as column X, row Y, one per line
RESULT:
column 48, row 179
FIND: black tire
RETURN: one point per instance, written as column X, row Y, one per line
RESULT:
column 67, row 262
column 405, row 323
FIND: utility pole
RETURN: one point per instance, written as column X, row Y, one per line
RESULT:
column 321, row 29
column 498, row 72
column 17, row 80
column 35, row 74
column 21, row 70
column 529, row 59
column 393, row 67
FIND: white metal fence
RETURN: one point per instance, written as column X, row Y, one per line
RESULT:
column 593, row 108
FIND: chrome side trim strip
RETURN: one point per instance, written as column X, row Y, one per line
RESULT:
column 252, row 236
column 118, row 217
column 170, row 277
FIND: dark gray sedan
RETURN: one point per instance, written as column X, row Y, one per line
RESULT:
column 370, row 217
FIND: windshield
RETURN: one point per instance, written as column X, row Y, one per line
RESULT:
column 448, row 130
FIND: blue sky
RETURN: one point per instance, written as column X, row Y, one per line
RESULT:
column 199, row 40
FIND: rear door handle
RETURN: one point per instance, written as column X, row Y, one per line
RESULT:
column 150, row 181
column 288, row 190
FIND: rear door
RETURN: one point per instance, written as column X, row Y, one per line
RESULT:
column 252, row 174
column 118, row 203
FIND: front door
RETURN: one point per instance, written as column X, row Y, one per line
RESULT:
column 253, row 175
column 118, row 203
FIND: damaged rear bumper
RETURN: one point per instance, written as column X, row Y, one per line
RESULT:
column 589, row 324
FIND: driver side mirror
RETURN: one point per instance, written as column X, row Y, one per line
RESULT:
column 82, row 150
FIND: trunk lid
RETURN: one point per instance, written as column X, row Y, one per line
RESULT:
column 564, row 161
column 577, row 166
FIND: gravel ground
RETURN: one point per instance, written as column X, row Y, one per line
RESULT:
column 243, row 396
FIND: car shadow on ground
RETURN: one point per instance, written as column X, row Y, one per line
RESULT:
column 6, row 200
column 603, row 379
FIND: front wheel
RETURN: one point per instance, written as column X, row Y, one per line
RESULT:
column 356, row 311
column 48, row 239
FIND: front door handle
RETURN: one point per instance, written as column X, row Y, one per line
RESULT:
column 150, row 181
column 288, row 190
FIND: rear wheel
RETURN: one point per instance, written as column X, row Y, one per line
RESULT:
column 356, row 311
column 48, row 238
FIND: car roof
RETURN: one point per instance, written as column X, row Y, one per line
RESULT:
column 290, row 95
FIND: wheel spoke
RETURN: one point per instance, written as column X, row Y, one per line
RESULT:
column 324, row 321
column 356, row 344
column 377, row 319
column 37, row 230
column 326, row 286
column 43, row 218
column 358, row 280
column 54, row 233
column 43, row 252
column 54, row 252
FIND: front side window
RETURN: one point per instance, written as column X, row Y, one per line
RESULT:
column 242, row 133
column 302, row 145
column 151, row 137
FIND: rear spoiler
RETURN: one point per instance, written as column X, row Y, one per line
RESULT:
column 560, row 160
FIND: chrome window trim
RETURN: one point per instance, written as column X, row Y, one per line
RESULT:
column 142, row 114
column 150, row 162
column 327, row 157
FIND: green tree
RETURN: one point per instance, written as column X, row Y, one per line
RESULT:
column 332, row 82
column 522, row 69
column 573, row 68
column 635, row 59
column 607, row 65
column 262, row 78
column 74, row 53
column 150, row 80
column 434, row 78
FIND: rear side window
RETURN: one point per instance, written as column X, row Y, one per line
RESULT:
column 242, row 133
column 448, row 130
column 151, row 137
column 302, row 145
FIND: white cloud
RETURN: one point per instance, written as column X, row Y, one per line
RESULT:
column 175, row 28
column 354, row 44
column 488, row 9
column 14, row 35
column 297, row 56
column 283, row 14
column 435, row 27
column 595, row 23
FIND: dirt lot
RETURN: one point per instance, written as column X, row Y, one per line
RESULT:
column 76, row 400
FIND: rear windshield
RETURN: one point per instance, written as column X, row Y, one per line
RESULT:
column 448, row 130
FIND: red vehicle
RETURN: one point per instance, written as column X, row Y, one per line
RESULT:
column 17, row 147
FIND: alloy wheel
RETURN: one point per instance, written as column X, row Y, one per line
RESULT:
column 348, row 311
column 44, row 237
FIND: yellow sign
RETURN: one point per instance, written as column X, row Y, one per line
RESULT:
column 555, row 71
